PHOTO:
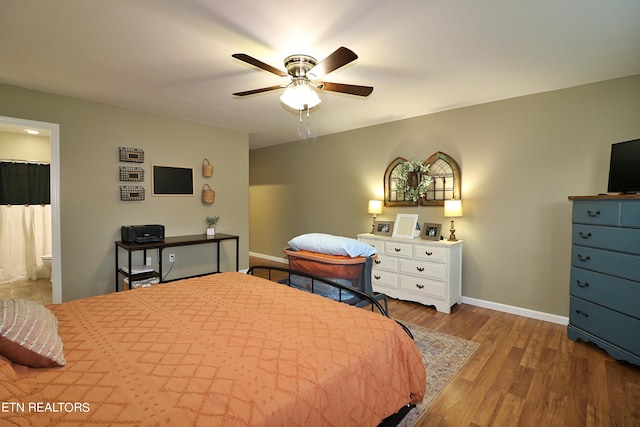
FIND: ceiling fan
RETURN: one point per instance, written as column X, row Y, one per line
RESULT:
column 304, row 71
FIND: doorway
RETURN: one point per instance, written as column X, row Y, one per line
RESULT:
column 53, row 130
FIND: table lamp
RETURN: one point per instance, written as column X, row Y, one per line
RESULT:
column 452, row 209
column 375, row 207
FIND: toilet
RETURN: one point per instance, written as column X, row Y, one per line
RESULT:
column 46, row 262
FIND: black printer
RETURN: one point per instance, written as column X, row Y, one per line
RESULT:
column 142, row 233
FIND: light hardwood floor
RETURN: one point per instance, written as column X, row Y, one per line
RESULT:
column 526, row 372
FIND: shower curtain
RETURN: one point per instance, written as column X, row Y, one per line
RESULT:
column 25, row 236
column 25, row 220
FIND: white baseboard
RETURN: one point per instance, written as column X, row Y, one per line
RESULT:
column 269, row 257
column 538, row 315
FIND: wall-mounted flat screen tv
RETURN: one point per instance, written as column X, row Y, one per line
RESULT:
column 624, row 167
column 172, row 181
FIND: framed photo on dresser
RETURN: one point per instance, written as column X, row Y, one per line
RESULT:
column 430, row 231
column 383, row 228
column 405, row 225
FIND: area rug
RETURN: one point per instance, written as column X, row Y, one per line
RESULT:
column 443, row 356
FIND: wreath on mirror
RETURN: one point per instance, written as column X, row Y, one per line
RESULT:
column 413, row 179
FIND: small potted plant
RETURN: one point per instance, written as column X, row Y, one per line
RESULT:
column 211, row 223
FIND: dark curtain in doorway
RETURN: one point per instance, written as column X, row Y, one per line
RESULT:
column 24, row 184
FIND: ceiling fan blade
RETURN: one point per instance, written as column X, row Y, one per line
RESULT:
column 345, row 88
column 254, row 91
column 257, row 63
column 341, row 57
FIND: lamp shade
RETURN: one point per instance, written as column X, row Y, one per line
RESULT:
column 375, row 207
column 300, row 96
column 452, row 208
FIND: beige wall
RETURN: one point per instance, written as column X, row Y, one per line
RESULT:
column 520, row 159
column 91, row 211
column 19, row 146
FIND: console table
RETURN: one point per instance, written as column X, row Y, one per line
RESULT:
column 160, row 246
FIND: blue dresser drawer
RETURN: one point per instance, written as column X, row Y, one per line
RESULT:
column 616, row 328
column 618, row 294
column 597, row 212
column 630, row 215
column 614, row 238
column 613, row 263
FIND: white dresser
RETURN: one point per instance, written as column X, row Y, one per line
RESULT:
column 425, row 271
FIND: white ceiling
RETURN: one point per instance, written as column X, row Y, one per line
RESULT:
column 173, row 57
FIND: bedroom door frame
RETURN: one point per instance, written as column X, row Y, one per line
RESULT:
column 54, row 143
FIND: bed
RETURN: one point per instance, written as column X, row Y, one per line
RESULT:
column 351, row 272
column 227, row 349
column 340, row 259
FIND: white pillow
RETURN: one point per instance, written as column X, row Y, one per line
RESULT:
column 29, row 334
column 331, row 245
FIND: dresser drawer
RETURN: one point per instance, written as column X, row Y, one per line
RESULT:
column 618, row 294
column 616, row 328
column 430, row 253
column 613, row 263
column 423, row 286
column 386, row 278
column 383, row 262
column 431, row 270
column 404, row 250
column 374, row 243
column 615, row 238
column 630, row 215
column 597, row 212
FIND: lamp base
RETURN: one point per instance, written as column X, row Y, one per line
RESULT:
column 452, row 236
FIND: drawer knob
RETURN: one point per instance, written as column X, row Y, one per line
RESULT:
column 582, row 313
column 593, row 214
column 397, row 249
column 584, row 258
column 377, row 277
column 420, row 269
column 428, row 253
column 377, row 261
column 419, row 286
column 584, row 236
column 582, row 285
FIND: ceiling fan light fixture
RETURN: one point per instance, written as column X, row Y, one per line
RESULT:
column 300, row 96
column 303, row 70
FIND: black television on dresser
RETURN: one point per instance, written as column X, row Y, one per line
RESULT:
column 624, row 167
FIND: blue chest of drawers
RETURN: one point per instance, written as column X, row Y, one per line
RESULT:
column 605, row 274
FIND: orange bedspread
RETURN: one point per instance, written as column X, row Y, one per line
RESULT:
column 222, row 350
